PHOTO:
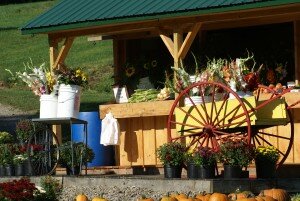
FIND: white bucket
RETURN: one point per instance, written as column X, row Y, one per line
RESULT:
column 68, row 101
column 197, row 100
column 48, row 106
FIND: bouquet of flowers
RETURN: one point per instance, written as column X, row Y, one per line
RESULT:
column 71, row 76
column 40, row 79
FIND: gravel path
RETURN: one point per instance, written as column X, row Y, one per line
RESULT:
column 7, row 111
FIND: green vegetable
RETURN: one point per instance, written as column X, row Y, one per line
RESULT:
column 143, row 95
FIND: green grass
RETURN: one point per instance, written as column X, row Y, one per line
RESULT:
column 16, row 49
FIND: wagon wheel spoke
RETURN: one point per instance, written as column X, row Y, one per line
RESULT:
column 196, row 108
column 232, row 112
column 219, row 111
column 233, row 124
column 267, row 142
column 272, row 135
column 192, row 116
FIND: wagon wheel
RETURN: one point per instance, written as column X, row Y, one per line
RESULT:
column 43, row 152
column 268, row 135
column 219, row 116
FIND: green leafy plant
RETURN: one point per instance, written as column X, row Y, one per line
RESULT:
column 79, row 149
column 267, row 153
column 6, row 137
column 204, row 156
column 236, row 152
column 20, row 158
column 24, row 129
column 171, row 153
column 49, row 190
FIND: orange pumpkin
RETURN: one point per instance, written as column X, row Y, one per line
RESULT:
column 241, row 195
column 168, row 198
column 218, row 197
column 143, row 198
column 81, row 197
column 277, row 194
column 179, row 196
column 203, row 196
column 189, row 199
column 99, row 199
column 264, row 198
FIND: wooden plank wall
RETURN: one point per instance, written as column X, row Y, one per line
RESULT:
column 140, row 138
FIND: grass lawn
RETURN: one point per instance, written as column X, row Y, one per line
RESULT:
column 16, row 49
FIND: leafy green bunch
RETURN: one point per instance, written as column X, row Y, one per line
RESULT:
column 267, row 153
column 172, row 153
column 236, row 152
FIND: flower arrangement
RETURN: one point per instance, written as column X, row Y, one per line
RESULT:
column 204, row 156
column 172, row 153
column 267, row 153
column 69, row 76
column 235, row 152
column 6, row 137
column 38, row 78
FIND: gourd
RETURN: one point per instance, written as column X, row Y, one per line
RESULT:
column 277, row 194
column 218, row 197
column 81, row 197
column 189, row 199
column 241, row 195
column 264, row 198
column 203, row 196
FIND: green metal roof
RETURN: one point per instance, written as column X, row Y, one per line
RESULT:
column 71, row 14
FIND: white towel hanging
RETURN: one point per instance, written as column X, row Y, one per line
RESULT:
column 110, row 130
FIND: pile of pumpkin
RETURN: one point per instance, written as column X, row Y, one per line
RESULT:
column 265, row 195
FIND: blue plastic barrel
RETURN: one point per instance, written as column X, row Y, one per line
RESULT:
column 104, row 155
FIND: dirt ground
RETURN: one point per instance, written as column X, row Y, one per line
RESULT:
column 8, row 111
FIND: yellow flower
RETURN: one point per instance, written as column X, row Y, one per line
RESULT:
column 130, row 71
column 78, row 73
column 84, row 78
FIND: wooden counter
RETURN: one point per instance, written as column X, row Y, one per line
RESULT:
column 143, row 130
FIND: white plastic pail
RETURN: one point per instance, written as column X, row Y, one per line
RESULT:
column 48, row 106
column 68, row 101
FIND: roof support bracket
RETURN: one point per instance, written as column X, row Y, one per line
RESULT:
column 189, row 40
column 63, row 52
column 168, row 42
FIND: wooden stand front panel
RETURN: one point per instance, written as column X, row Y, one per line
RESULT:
column 140, row 137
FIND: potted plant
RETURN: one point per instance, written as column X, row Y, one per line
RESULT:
column 18, row 161
column 81, row 154
column 201, row 163
column 7, row 158
column 6, row 137
column 24, row 129
column 172, row 157
column 266, row 158
column 235, row 154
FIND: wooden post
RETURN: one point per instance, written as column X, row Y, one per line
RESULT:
column 177, row 39
column 297, row 51
column 53, row 52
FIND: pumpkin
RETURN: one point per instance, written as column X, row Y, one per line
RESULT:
column 179, row 196
column 81, row 197
column 101, row 198
column 277, row 194
column 264, row 198
column 218, row 197
column 168, row 198
column 189, row 199
column 203, row 196
column 241, row 195
column 143, row 198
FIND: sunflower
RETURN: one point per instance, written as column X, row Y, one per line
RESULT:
column 130, row 71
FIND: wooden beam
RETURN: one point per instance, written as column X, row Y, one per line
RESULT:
column 169, row 43
column 63, row 52
column 297, row 51
column 189, row 40
column 53, row 50
column 177, row 37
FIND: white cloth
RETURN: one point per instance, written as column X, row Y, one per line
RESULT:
column 110, row 130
